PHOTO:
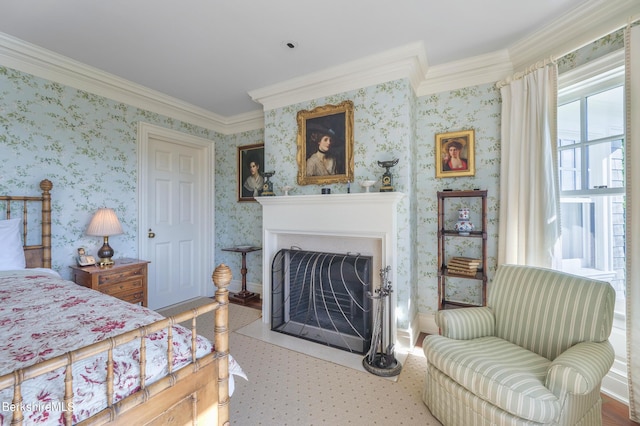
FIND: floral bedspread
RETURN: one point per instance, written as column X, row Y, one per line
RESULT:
column 42, row 316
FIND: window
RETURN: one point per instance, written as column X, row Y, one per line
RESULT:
column 591, row 159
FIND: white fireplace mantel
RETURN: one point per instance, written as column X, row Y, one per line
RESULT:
column 336, row 219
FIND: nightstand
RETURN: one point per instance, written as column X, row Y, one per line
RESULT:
column 126, row 279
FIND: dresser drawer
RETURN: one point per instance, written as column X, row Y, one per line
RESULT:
column 131, row 296
column 117, row 288
column 119, row 276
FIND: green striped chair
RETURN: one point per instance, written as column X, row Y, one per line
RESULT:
column 535, row 355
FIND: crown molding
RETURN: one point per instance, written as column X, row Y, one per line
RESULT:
column 481, row 69
column 31, row 59
column 569, row 32
column 579, row 27
column 408, row 61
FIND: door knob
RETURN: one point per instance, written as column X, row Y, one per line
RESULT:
column 151, row 234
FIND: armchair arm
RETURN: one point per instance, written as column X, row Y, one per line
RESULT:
column 467, row 323
column 580, row 368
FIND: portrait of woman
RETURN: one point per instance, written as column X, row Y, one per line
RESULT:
column 325, row 144
column 250, row 171
column 455, row 154
column 322, row 161
column 253, row 183
column 452, row 159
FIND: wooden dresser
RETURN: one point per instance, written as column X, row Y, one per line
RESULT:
column 126, row 279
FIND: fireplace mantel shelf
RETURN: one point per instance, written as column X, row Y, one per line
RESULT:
column 327, row 199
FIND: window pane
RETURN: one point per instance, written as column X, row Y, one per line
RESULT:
column 569, row 123
column 606, row 165
column 592, row 241
column 605, row 115
column 570, row 170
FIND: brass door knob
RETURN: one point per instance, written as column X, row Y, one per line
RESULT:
column 151, row 234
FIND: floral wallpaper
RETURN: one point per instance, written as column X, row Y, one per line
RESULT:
column 86, row 144
column 476, row 108
column 236, row 223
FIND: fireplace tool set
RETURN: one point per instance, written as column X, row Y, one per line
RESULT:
column 379, row 360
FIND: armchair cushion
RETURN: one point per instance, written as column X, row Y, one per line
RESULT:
column 498, row 371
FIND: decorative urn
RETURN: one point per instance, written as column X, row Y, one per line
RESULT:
column 463, row 225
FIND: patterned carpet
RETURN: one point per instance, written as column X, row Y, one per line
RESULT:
column 291, row 388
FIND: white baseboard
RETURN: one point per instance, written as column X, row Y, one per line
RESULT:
column 427, row 324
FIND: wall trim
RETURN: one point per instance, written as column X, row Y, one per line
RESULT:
column 578, row 27
column 32, row 59
column 407, row 61
column 565, row 34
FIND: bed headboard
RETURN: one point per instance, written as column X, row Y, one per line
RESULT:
column 38, row 255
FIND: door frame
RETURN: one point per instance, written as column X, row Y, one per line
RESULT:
column 147, row 131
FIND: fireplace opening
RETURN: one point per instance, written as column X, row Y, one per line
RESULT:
column 323, row 297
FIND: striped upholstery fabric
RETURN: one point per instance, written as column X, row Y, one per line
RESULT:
column 466, row 324
column 495, row 370
column 547, row 311
column 535, row 355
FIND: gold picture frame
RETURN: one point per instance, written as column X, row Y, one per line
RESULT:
column 250, row 157
column 325, row 144
column 455, row 154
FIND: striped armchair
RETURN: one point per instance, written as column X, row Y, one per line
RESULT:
column 535, row 355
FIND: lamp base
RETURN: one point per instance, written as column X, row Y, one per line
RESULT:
column 105, row 253
column 105, row 262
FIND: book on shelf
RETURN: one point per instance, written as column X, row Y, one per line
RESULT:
column 467, row 260
column 465, row 272
column 453, row 264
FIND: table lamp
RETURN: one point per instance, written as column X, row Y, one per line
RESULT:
column 104, row 224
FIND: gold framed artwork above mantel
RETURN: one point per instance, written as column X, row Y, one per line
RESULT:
column 455, row 156
column 325, row 144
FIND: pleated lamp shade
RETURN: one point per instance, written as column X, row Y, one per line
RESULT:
column 104, row 224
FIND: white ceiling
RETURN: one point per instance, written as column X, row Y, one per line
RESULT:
column 212, row 53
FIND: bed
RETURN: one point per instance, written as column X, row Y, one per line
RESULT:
column 72, row 355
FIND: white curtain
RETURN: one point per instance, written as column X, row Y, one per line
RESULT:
column 529, row 221
column 632, row 85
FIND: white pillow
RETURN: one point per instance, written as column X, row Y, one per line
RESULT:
column 11, row 251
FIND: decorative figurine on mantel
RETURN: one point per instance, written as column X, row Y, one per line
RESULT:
column 267, row 187
column 387, row 177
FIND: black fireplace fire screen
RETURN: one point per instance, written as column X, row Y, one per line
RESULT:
column 322, row 297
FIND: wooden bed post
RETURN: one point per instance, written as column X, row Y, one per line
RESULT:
column 222, row 278
column 46, row 186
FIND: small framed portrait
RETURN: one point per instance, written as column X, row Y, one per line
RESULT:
column 325, row 144
column 250, row 171
column 455, row 154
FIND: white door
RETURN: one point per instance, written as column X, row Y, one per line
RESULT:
column 174, row 235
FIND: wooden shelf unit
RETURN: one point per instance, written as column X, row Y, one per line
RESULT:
column 480, row 231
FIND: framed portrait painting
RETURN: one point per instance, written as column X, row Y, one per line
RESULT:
column 455, row 155
column 250, row 171
column 325, row 144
